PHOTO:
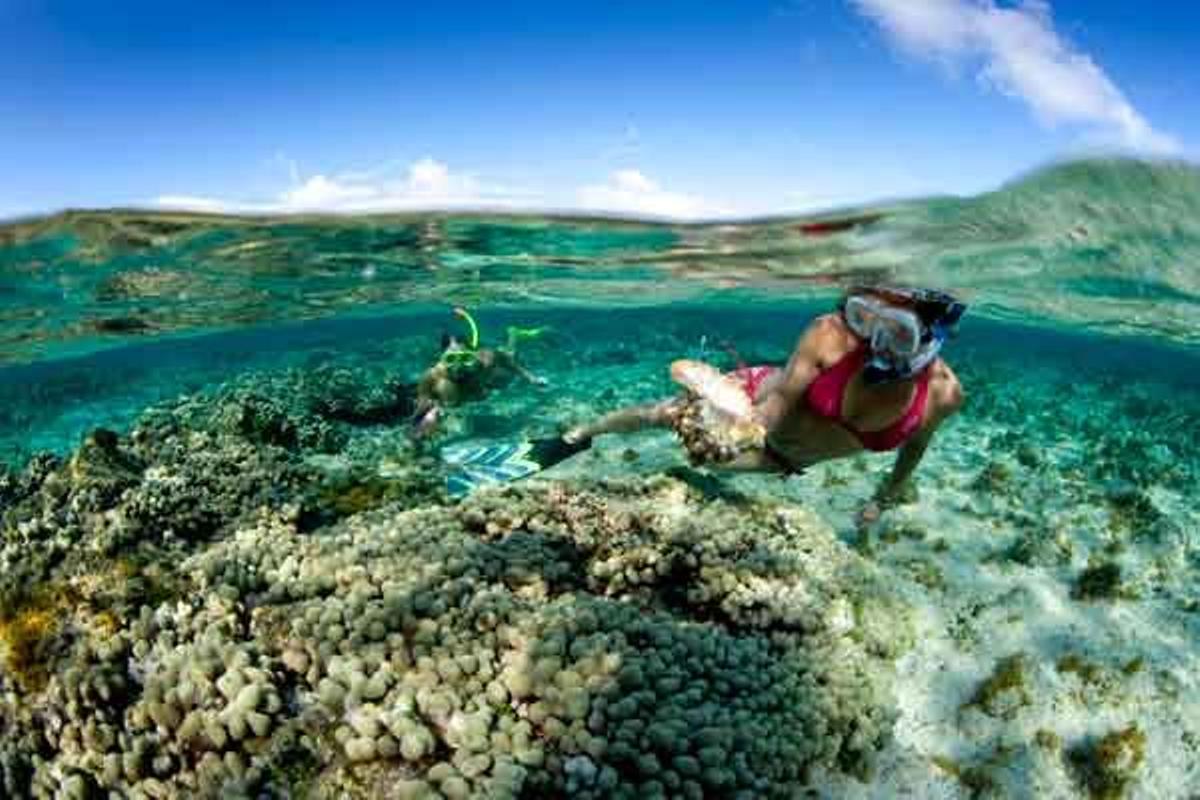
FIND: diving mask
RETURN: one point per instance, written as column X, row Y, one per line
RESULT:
column 459, row 358
column 890, row 331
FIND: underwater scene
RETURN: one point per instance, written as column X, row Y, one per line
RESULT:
column 320, row 507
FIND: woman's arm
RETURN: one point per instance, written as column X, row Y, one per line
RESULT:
column 947, row 399
column 907, row 459
column 510, row 361
column 802, row 368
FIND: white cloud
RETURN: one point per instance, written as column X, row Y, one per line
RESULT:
column 427, row 185
column 1019, row 53
column 320, row 193
column 186, row 202
column 628, row 191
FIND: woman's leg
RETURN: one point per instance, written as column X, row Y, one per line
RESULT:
column 662, row 415
column 627, row 420
column 759, row 460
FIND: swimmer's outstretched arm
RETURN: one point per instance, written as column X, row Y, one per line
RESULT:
column 947, row 400
column 511, row 361
column 628, row 420
column 890, row 490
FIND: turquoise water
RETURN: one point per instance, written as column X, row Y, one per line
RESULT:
column 1024, row 623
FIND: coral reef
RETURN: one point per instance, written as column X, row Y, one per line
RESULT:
column 228, row 620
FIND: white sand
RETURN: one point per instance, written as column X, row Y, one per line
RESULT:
column 974, row 608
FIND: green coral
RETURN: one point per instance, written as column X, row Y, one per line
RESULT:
column 1048, row 740
column 1131, row 509
column 995, row 478
column 26, row 631
column 979, row 776
column 1037, row 546
column 1133, row 666
column 360, row 491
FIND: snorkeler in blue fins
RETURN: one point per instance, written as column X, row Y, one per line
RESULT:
column 467, row 371
column 473, row 465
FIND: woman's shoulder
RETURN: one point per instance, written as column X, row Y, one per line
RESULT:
column 827, row 338
column 825, row 330
column 828, row 323
column 944, row 387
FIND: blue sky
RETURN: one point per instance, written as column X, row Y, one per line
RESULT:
column 661, row 107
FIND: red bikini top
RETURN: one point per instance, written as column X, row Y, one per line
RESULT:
column 826, row 392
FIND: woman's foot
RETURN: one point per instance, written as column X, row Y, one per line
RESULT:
column 576, row 435
column 548, row 452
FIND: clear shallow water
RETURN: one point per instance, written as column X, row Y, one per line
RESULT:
column 101, row 312
column 50, row 404
column 252, row 359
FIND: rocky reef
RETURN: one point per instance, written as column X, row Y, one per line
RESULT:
column 206, row 607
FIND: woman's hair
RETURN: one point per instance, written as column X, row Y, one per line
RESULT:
column 931, row 306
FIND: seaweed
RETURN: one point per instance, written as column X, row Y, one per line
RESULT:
column 1075, row 664
column 1107, row 766
column 1004, row 692
column 1099, row 581
column 28, row 627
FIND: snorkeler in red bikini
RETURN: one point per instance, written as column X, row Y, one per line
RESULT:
column 867, row 377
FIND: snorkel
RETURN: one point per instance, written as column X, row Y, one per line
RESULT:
column 463, row 314
column 462, row 355
column 905, row 335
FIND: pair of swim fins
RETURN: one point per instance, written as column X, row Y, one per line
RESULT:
column 472, row 465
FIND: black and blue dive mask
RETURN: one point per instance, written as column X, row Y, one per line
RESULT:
column 940, row 314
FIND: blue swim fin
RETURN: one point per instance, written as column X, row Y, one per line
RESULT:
column 471, row 465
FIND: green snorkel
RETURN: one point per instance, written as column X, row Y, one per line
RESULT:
column 464, row 355
column 468, row 351
column 462, row 313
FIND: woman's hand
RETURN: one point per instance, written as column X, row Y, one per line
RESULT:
column 425, row 421
column 888, row 495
